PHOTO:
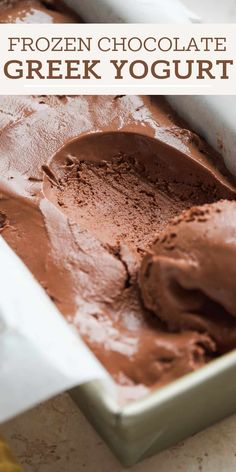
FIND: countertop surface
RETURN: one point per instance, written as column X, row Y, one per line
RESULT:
column 55, row 437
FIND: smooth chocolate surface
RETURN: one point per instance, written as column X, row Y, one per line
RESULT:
column 86, row 185
column 35, row 11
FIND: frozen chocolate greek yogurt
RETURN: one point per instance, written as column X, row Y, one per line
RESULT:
column 83, row 217
column 87, row 184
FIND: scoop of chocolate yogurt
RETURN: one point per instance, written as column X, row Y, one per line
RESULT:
column 189, row 277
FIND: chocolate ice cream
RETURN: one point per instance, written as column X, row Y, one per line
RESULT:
column 83, row 217
column 188, row 277
column 86, row 184
column 35, row 11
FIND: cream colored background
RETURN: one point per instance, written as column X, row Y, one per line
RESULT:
column 55, row 437
column 108, row 84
